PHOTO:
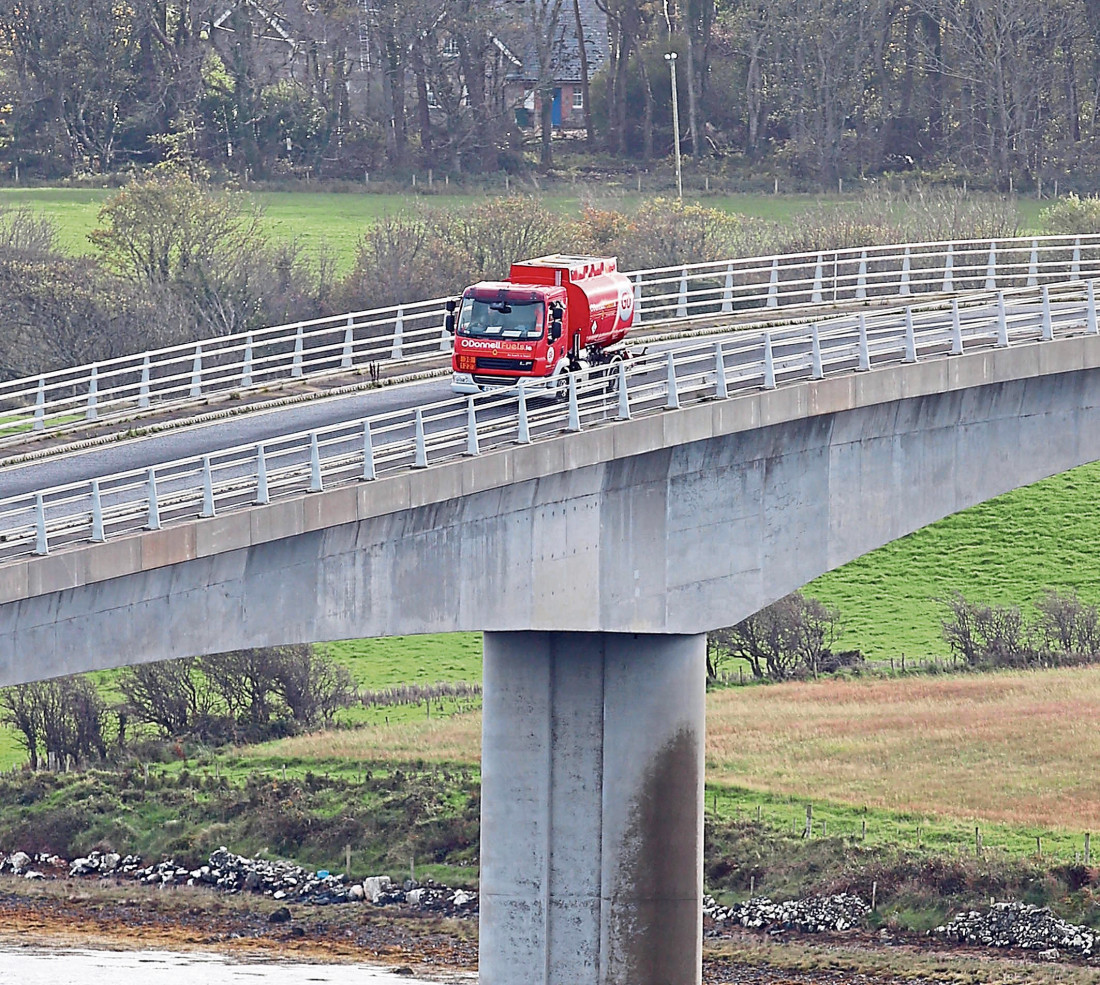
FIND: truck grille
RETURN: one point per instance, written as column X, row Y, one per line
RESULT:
column 509, row 365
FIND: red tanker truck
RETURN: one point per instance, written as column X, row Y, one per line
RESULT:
column 552, row 315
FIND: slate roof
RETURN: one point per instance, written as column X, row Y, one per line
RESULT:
column 567, row 59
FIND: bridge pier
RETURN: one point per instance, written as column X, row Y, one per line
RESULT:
column 592, row 809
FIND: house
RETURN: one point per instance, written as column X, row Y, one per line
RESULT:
column 568, row 110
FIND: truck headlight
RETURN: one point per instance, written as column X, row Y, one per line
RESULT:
column 463, row 378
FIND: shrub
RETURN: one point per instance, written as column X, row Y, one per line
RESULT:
column 1072, row 216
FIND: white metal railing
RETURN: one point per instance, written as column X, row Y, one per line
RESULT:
column 715, row 368
column 412, row 333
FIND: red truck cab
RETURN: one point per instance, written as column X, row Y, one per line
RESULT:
column 553, row 314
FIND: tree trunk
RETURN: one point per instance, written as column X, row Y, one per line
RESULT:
column 589, row 136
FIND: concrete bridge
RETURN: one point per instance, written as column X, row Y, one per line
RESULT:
column 595, row 561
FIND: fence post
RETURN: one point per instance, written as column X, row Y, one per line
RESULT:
column 574, row 407
column 861, row 277
column 910, row 337
column 956, row 329
column 296, row 359
column 315, row 483
column 673, row 402
column 721, row 391
column 681, row 300
column 41, row 544
column 97, row 514
column 815, row 294
column 143, row 385
column 1002, row 321
column 421, row 460
column 369, row 471
column 624, row 395
column 40, row 405
column 1033, row 265
column 903, row 287
column 1075, row 263
column 196, row 373
column 864, row 349
column 1090, row 315
column 153, row 521
column 471, row 428
column 263, row 497
column 769, row 363
column 1088, row 847
column 523, row 432
column 349, row 342
column 91, row 413
column 638, row 299
column 727, row 291
column 398, row 334
column 949, row 269
column 817, row 371
column 773, row 285
column 1048, row 324
column 246, row 366
column 207, row 489
column 991, row 267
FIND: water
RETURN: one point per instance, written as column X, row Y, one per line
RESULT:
column 49, row 966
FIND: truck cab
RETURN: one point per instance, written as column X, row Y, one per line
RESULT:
column 553, row 314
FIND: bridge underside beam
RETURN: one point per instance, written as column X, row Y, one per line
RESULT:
column 592, row 809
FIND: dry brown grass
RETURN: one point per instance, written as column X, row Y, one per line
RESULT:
column 1014, row 747
column 1020, row 748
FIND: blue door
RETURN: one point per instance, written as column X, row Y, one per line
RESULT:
column 555, row 109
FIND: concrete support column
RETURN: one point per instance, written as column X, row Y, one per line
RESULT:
column 592, row 809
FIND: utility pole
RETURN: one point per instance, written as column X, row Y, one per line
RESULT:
column 671, row 59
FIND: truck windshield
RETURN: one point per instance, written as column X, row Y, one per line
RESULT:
column 500, row 320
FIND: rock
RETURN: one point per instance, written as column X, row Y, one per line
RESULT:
column 414, row 896
column 375, row 886
column 811, row 915
column 281, row 915
column 356, row 893
column 1021, row 925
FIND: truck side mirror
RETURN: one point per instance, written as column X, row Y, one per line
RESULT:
column 449, row 320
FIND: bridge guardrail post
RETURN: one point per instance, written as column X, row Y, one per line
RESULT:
column 1033, row 265
column 624, row 393
column 861, row 278
column 98, row 535
column 523, row 430
column 207, row 490
column 638, row 299
column 315, row 483
column 370, row 473
column 906, row 263
column 91, row 412
column 143, row 384
column 1002, row 321
column 396, row 348
column 991, row 267
column 769, row 363
column 773, row 285
column 681, row 299
column 263, row 496
column 153, row 519
column 673, row 402
column 910, row 338
column 421, row 460
column 949, row 269
column 727, row 291
column 472, row 448
column 40, row 405
column 574, row 423
column 721, row 391
column 956, row 329
column 1048, row 324
column 1090, row 316
column 246, row 369
column 815, row 293
column 196, row 373
column 1075, row 263
column 41, row 544
column 817, row 371
column 349, row 343
column 864, row 350
column 296, row 358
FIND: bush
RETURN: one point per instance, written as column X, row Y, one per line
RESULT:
column 1072, row 216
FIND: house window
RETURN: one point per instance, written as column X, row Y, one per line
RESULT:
column 578, row 98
